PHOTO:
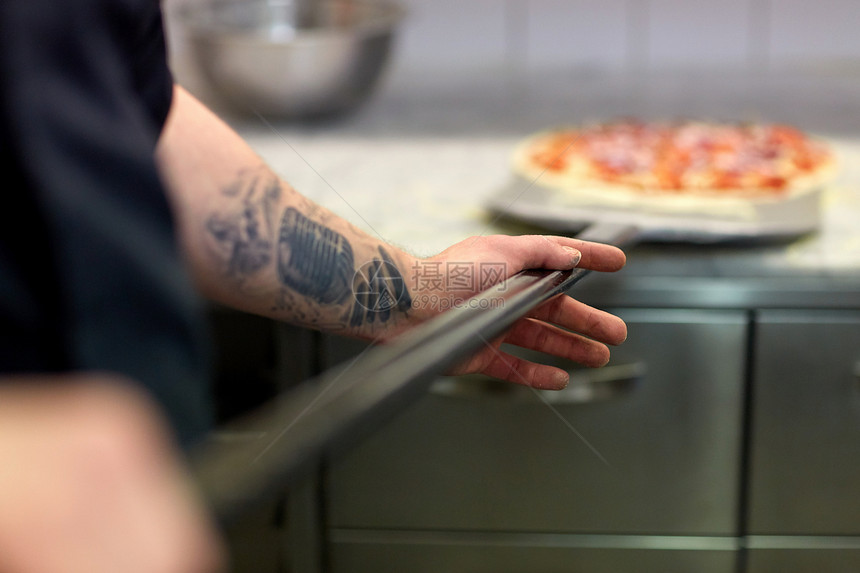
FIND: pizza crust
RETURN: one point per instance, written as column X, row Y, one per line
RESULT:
column 577, row 186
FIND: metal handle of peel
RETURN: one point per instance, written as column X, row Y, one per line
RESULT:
column 259, row 454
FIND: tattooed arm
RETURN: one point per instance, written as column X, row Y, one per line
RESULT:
column 256, row 244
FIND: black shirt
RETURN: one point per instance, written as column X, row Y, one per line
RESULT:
column 90, row 277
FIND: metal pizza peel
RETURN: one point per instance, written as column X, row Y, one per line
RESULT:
column 256, row 456
column 560, row 211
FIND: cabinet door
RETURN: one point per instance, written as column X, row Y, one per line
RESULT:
column 806, row 424
column 657, row 455
column 824, row 555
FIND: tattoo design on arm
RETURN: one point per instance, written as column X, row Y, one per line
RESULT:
column 378, row 288
column 318, row 262
column 244, row 237
column 314, row 260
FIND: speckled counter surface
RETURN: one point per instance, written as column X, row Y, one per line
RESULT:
column 418, row 163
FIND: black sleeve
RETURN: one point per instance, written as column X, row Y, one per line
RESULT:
column 86, row 88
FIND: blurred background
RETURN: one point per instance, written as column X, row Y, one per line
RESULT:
column 738, row 58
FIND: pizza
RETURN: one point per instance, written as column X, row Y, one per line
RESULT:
column 662, row 162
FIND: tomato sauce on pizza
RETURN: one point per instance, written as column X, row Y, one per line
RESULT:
column 676, row 158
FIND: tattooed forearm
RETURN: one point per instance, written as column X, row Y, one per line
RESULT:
column 313, row 266
column 244, row 236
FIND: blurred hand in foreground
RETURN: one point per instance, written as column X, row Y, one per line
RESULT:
column 90, row 483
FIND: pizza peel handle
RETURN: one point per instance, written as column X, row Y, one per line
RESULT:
column 256, row 457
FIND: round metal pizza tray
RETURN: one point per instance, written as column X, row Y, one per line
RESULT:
column 560, row 211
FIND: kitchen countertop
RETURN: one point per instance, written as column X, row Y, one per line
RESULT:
column 417, row 164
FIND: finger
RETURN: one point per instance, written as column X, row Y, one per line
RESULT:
column 576, row 316
column 595, row 256
column 537, row 252
column 536, row 335
column 520, row 371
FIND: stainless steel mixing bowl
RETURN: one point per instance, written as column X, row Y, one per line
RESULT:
column 291, row 58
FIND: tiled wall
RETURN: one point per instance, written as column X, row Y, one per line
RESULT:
column 623, row 38
column 628, row 35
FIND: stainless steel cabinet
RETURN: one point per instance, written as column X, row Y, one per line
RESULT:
column 255, row 358
column 658, row 456
column 802, row 555
column 805, row 443
column 805, row 471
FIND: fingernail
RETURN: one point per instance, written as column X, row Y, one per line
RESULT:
column 560, row 380
column 576, row 256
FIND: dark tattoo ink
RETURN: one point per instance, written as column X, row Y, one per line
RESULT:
column 245, row 236
column 314, row 260
column 317, row 262
column 379, row 288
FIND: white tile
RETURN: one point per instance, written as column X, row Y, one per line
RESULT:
column 698, row 32
column 452, row 34
column 576, row 33
column 803, row 30
column 759, row 33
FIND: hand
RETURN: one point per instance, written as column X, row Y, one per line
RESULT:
column 561, row 326
column 90, row 483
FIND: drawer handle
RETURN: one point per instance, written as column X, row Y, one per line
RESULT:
column 607, row 383
column 585, row 387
